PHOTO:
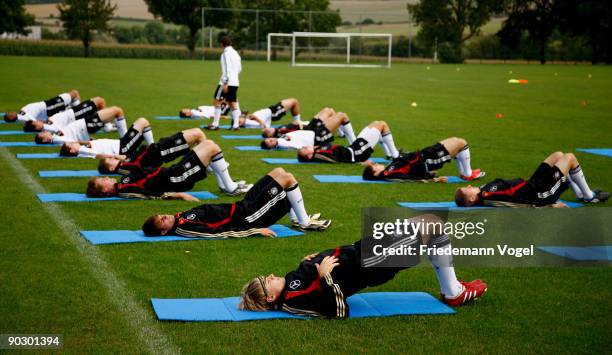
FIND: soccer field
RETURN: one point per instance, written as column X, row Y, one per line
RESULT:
column 52, row 281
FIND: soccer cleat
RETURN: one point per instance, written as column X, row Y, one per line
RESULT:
column 598, row 196
column 315, row 225
column 471, row 291
column 242, row 188
column 212, row 127
column 296, row 224
column 234, row 128
column 476, row 174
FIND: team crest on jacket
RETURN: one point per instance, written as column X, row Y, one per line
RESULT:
column 187, row 165
column 190, row 216
column 126, row 180
column 273, row 191
column 178, row 141
column 440, row 153
column 295, row 284
column 493, row 188
column 557, row 175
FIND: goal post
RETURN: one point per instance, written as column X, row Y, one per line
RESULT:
column 327, row 49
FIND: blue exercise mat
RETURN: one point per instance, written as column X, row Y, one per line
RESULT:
column 295, row 161
column 596, row 253
column 23, row 144
column 361, row 305
column 606, row 152
column 241, row 137
column 15, row 133
column 40, row 156
column 76, row 197
column 128, row 236
column 70, row 173
column 168, row 118
column 256, row 148
column 226, row 126
column 451, row 206
column 357, row 179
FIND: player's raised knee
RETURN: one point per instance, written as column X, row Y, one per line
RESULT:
column 74, row 94
column 141, row 123
column 570, row 157
column 277, row 171
column 212, row 146
column 461, row 141
column 99, row 102
column 194, row 135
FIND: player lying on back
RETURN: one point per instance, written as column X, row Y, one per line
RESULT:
column 543, row 188
column 79, row 130
column 44, row 109
column 110, row 148
column 322, row 282
column 422, row 165
column 319, row 131
column 166, row 150
column 263, row 118
column 158, row 182
column 358, row 151
column 66, row 117
column 269, row 200
column 205, row 111
column 297, row 124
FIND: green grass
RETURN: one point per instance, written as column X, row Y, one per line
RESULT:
column 46, row 285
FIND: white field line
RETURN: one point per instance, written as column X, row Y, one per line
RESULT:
column 149, row 333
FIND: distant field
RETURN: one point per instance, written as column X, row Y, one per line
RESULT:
column 98, row 296
column 406, row 29
column 392, row 12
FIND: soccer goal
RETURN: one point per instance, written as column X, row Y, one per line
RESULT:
column 322, row 49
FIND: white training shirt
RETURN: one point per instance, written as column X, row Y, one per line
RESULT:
column 74, row 132
column 296, row 140
column 231, row 67
column 371, row 135
column 265, row 115
column 203, row 112
column 33, row 111
column 60, row 120
column 38, row 110
column 100, row 146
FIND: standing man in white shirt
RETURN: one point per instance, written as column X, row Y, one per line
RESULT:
column 228, row 84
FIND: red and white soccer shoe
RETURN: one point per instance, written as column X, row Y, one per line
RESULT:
column 471, row 291
column 476, row 174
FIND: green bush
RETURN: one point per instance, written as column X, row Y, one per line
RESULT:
column 450, row 53
column 75, row 49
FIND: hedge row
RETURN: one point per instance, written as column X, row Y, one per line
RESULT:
column 75, row 49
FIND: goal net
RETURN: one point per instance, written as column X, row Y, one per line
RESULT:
column 331, row 49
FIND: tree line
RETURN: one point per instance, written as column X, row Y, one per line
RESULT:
column 449, row 25
column 450, row 28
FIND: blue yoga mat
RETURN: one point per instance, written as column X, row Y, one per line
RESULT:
column 226, row 126
column 596, row 253
column 40, row 156
column 295, row 161
column 23, row 144
column 15, row 133
column 361, row 305
column 127, row 236
column 76, row 197
column 172, row 118
column 241, row 137
column 450, row 206
column 606, row 152
column 70, row 173
column 357, row 179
